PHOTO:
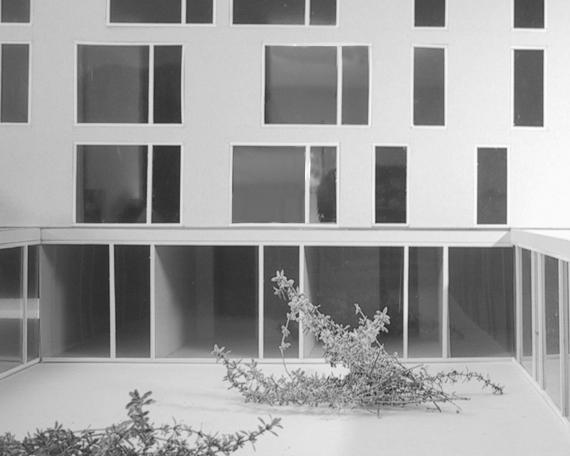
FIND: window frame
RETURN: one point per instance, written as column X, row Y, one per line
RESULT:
column 149, row 180
column 431, row 27
column 391, row 225
column 306, row 23
column 445, row 85
column 151, row 122
column 29, row 116
column 19, row 24
column 528, row 29
column 544, row 125
column 307, row 175
column 109, row 23
column 339, row 71
column 492, row 226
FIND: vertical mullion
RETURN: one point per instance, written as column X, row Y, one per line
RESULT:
column 302, row 290
column 151, row 84
column 261, row 300
column 112, row 303
column 307, row 184
column 24, row 313
column 1, row 81
column 149, row 167
column 152, row 328
column 518, row 304
column 534, row 312
column 339, row 69
column 183, row 11
column 405, row 297
column 445, row 305
column 307, row 12
column 541, row 327
column 563, row 309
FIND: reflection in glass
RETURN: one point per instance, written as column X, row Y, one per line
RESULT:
column 286, row 12
column 322, row 198
column 552, row 326
column 425, row 302
column 300, row 85
column 166, row 184
column 199, row 11
column 112, row 84
column 429, row 86
column 205, row 296
column 11, row 309
column 429, row 13
column 529, row 88
column 268, row 184
column 323, row 12
column 33, row 302
column 145, row 11
column 132, row 301
column 275, row 309
column 527, row 346
column 355, row 79
column 391, row 185
column 14, row 83
column 338, row 277
column 481, row 304
column 15, row 11
column 491, row 185
column 529, row 14
column 111, row 184
column 75, row 299
column 167, row 84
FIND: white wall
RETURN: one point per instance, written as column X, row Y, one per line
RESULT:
column 223, row 105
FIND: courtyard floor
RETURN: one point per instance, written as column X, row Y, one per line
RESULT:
column 80, row 395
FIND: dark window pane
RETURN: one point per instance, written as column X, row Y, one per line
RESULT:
column 112, row 84
column 268, row 184
column 199, row 11
column 429, row 13
column 166, row 184
column 390, row 185
column 275, row 309
column 338, row 277
column 75, row 301
column 15, row 11
column 167, row 84
column 529, row 13
column 11, row 309
column 132, row 300
column 33, row 303
column 425, row 302
column 552, row 322
column 481, row 305
column 429, row 86
column 491, row 186
column 269, row 12
column 111, row 184
column 355, row 78
column 14, row 83
column 145, row 11
column 322, row 198
column 527, row 328
column 529, row 88
column 323, row 12
column 300, row 85
column 205, row 296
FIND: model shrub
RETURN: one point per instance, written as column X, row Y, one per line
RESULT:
column 136, row 436
column 374, row 378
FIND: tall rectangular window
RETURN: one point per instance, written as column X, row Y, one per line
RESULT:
column 429, row 86
column 112, row 184
column 529, row 87
column 280, row 12
column 391, row 183
column 302, row 85
column 284, row 184
column 527, row 324
column 429, row 13
column 113, row 84
column 529, row 14
column 15, row 11
column 14, row 82
column 491, row 186
column 161, row 11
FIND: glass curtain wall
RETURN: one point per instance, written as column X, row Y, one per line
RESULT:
column 552, row 330
column 11, row 309
column 527, row 324
column 33, row 303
